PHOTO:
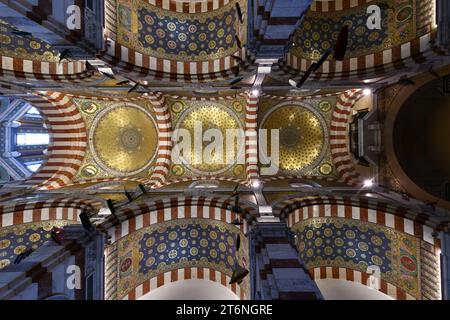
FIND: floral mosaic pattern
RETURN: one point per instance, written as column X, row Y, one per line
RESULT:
column 12, row 45
column 318, row 31
column 19, row 238
column 177, row 244
column 337, row 242
column 178, row 36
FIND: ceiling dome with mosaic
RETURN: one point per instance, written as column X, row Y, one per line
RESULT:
column 124, row 139
column 302, row 136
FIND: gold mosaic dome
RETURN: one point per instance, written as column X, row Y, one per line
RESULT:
column 210, row 116
column 301, row 137
column 124, row 139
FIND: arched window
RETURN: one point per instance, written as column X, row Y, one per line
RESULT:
column 33, row 166
column 32, row 139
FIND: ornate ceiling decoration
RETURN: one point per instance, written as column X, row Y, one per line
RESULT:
column 177, row 244
column 25, row 47
column 179, row 36
column 123, row 139
column 337, row 242
column 319, row 30
column 221, row 116
column 303, row 136
column 17, row 239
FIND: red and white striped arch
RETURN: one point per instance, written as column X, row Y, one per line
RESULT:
column 336, row 5
column 339, row 138
column 187, row 6
column 371, row 210
column 251, row 137
column 358, row 277
column 206, row 274
column 143, row 214
column 34, row 70
column 365, row 67
column 164, row 124
column 60, row 208
column 68, row 140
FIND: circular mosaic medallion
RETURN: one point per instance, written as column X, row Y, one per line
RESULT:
column 89, row 171
column 302, row 135
column 326, row 169
column 325, row 106
column 124, row 139
column 207, row 118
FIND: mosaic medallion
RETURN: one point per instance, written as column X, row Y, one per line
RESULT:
column 302, row 134
column 124, row 139
column 200, row 121
column 176, row 35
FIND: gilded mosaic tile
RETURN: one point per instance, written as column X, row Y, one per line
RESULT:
column 179, row 36
column 177, row 244
column 338, row 242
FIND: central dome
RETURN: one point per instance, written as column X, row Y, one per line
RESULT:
column 211, row 116
column 301, row 136
column 124, row 139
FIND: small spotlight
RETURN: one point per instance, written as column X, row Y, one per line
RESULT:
column 145, row 82
column 256, row 184
column 367, row 91
column 255, row 92
column 145, row 94
column 368, row 183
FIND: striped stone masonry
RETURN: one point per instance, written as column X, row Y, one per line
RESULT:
column 186, row 6
column 251, row 137
column 164, row 124
column 363, row 209
column 186, row 274
column 68, row 140
column 337, row 5
column 140, row 65
column 34, row 70
column 359, row 277
column 141, row 215
column 367, row 66
column 339, row 139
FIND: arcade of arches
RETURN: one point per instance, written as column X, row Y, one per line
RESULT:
column 163, row 149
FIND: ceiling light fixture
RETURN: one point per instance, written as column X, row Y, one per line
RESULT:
column 367, row 91
column 368, row 183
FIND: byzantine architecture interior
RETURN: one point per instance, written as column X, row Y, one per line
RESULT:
column 221, row 149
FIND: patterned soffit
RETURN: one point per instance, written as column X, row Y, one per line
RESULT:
column 319, row 30
column 25, row 47
column 179, row 36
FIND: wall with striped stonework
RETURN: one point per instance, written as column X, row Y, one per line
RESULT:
column 27, row 225
column 67, row 140
column 251, row 137
column 340, row 240
column 139, row 65
column 359, row 277
column 185, row 274
column 339, row 138
column 371, row 52
column 185, row 242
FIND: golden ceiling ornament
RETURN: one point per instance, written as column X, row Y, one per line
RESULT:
column 89, row 107
column 325, row 106
column 124, row 139
column 238, row 170
column 326, row 169
column 211, row 115
column 302, row 136
column 237, row 105
column 177, row 106
column 89, row 171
